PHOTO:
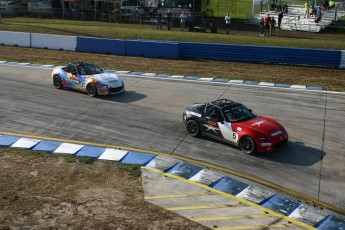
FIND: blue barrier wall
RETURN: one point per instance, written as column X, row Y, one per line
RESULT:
column 146, row 48
column 261, row 54
column 101, row 45
column 185, row 50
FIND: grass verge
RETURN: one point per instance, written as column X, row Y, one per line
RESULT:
column 240, row 33
column 330, row 79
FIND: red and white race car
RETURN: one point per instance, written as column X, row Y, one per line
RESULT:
column 233, row 123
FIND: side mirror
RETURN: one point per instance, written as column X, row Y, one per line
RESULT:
column 250, row 111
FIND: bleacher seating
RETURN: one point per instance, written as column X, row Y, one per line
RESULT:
column 294, row 20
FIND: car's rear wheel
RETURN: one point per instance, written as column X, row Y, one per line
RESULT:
column 57, row 82
column 193, row 128
column 91, row 90
column 247, row 145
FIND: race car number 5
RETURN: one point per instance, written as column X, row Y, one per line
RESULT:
column 234, row 135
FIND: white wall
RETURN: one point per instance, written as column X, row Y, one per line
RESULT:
column 54, row 42
column 15, row 38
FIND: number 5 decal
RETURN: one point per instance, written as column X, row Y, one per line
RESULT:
column 234, row 136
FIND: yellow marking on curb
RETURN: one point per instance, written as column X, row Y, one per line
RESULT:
column 205, row 207
column 158, row 178
column 178, row 195
column 229, row 217
column 201, row 163
column 266, row 210
column 257, row 227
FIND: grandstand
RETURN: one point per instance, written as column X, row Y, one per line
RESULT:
column 294, row 19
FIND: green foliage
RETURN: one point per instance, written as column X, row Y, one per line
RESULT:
column 134, row 171
column 236, row 8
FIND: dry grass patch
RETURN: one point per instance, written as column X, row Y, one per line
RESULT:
column 43, row 191
column 330, row 79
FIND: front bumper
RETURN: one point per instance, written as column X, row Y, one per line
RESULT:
column 111, row 90
column 265, row 147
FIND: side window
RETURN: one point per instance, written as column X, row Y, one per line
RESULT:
column 209, row 110
column 81, row 71
column 69, row 68
column 215, row 113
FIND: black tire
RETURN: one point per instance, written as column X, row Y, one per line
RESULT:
column 57, row 82
column 248, row 145
column 193, row 128
column 91, row 89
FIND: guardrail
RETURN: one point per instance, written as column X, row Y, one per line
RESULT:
column 178, row 50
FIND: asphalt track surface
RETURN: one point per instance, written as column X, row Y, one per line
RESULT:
column 149, row 116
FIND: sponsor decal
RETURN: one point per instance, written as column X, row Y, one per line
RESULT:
column 72, row 81
column 276, row 133
column 266, row 144
column 214, row 129
column 239, row 129
column 211, row 123
column 258, row 123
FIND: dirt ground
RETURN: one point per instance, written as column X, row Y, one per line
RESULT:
column 44, row 191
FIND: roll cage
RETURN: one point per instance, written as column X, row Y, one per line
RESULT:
column 82, row 68
column 220, row 108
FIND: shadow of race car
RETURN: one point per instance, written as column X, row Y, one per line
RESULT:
column 88, row 78
column 233, row 123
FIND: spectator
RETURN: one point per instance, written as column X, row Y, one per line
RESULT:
column 159, row 20
column 227, row 23
column 325, row 5
column 331, row 4
column 318, row 15
column 285, row 9
column 169, row 19
column 213, row 27
column 183, row 19
column 262, row 27
column 267, row 24
column 190, row 21
column 272, row 27
column 280, row 17
column 273, row 5
column 312, row 11
column 306, row 9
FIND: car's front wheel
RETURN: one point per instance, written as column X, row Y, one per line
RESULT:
column 91, row 90
column 247, row 145
column 57, row 82
column 193, row 128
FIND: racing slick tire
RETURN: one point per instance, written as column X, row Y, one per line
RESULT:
column 91, row 89
column 247, row 145
column 193, row 128
column 57, row 82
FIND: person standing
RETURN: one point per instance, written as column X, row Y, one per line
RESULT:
column 272, row 26
column 306, row 9
column 227, row 23
column 169, row 19
column 262, row 27
column 159, row 20
column 190, row 21
column 183, row 19
column 267, row 24
column 280, row 17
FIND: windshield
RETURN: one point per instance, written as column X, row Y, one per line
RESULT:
column 237, row 113
column 89, row 69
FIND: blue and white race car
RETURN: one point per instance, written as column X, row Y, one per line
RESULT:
column 88, row 78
